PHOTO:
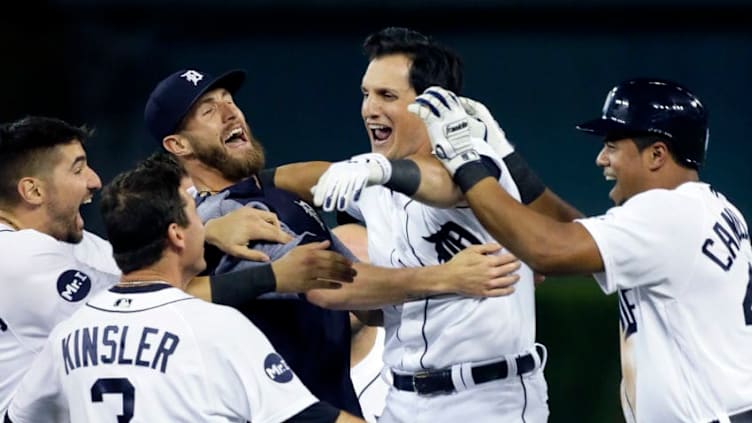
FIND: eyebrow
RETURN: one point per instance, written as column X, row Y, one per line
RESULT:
column 77, row 160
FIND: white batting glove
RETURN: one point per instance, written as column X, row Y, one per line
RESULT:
column 486, row 127
column 448, row 127
column 344, row 181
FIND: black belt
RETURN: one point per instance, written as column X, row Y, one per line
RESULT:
column 743, row 417
column 435, row 381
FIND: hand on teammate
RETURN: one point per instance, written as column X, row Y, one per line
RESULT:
column 479, row 271
column 448, row 127
column 312, row 266
column 232, row 232
column 485, row 127
column 344, row 181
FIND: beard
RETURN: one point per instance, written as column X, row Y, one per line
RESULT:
column 63, row 226
column 233, row 168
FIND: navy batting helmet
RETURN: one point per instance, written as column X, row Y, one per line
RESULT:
column 652, row 106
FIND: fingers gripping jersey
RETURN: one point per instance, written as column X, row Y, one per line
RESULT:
column 43, row 282
column 156, row 354
column 314, row 341
column 682, row 265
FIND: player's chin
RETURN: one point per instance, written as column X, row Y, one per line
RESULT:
column 74, row 236
column 616, row 196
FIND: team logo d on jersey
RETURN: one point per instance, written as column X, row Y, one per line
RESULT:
column 277, row 369
column 450, row 239
column 73, row 285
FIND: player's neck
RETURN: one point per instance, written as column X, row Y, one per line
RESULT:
column 10, row 219
column 207, row 180
column 148, row 276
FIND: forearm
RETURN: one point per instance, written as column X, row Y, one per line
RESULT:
column 299, row 177
column 375, row 287
column 547, row 245
column 554, row 207
column 436, row 187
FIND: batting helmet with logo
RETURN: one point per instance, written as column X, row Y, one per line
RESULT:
column 652, row 106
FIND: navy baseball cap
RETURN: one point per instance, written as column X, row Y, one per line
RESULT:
column 174, row 96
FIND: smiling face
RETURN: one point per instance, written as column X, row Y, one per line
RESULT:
column 220, row 137
column 627, row 166
column 71, row 183
column 392, row 130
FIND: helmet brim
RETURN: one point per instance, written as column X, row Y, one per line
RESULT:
column 603, row 127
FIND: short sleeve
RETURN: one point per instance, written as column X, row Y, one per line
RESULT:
column 254, row 377
column 639, row 241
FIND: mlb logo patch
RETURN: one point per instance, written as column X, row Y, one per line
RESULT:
column 123, row 302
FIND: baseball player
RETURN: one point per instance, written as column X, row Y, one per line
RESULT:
column 674, row 249
column 194, row 117
column 50, row 265
column 147, row 351
column 44, row 280
column 451, row 357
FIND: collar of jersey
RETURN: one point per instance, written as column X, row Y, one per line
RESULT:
column 157, row 286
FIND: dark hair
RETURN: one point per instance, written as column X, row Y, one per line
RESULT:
column 432, row 63
column 138, row 206
column 27, row 148
column 644, row 140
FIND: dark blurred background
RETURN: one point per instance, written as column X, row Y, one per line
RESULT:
column 541, row 66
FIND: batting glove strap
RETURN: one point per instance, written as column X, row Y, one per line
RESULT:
column 379, row 167
column 470, row 173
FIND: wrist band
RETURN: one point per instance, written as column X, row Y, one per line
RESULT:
column 405, row 177
column 527, row 181
column 236, row 288
column 470, row 174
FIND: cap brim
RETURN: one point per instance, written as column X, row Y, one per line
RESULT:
column 231, row 81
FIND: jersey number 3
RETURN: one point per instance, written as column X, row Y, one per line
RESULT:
column 120, row 386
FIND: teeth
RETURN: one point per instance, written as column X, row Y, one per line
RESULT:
column 377, row 127
column 87, row 201
column 234, row 132
column 610, row 177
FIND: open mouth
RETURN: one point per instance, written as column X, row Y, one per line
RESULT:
column 379, row 133
column 235, row 138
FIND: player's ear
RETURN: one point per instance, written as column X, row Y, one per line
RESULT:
column 176, row 236
column 177, row 145
column 31, row 190
column 657, row 155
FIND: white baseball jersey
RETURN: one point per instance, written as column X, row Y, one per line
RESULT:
column 448, row 330
column 43, row 281
column 682, row 265
column 156, row 354
column 370, row 385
